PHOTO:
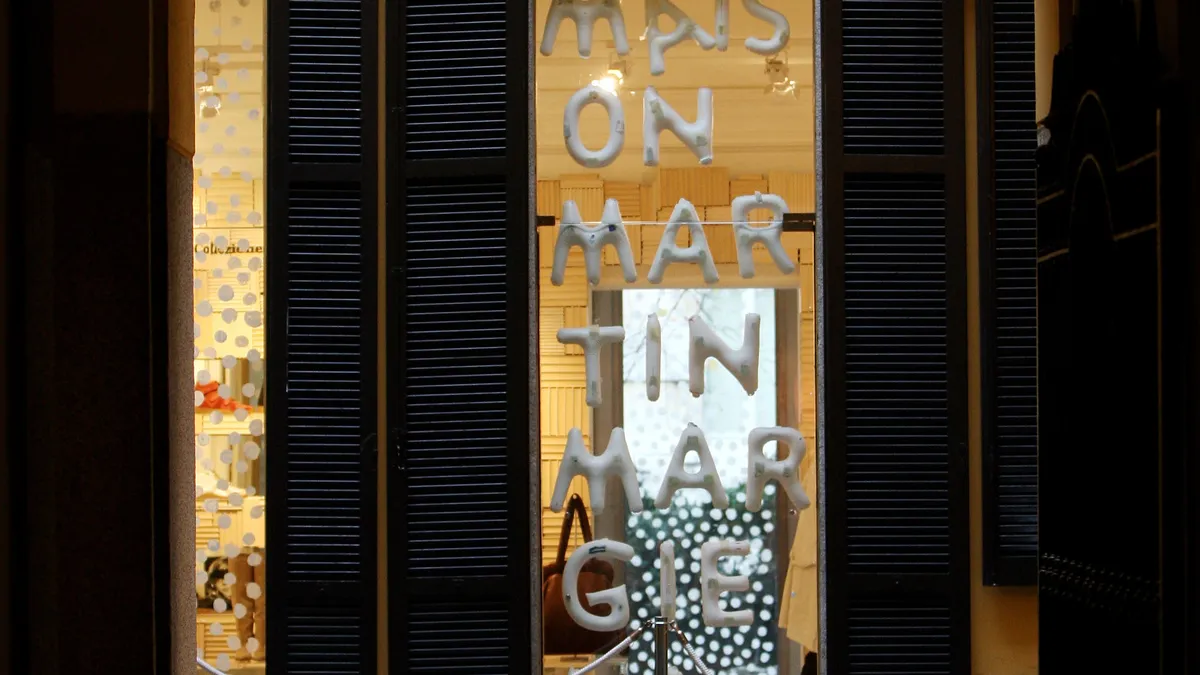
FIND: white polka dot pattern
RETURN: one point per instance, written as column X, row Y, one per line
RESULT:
column 229, row 309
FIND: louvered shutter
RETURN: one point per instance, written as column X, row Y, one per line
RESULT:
column 461, row 297
column 894, row 268
column 1008, row 289
column 321, row 347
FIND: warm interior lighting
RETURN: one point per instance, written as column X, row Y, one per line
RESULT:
column 778, row 81
column 608, row 83
column 611, row 81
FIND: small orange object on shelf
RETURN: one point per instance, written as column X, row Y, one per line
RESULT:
column 214, row 401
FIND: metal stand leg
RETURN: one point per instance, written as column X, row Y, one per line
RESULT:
column 661, row 648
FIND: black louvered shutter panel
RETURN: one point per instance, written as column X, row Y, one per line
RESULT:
column 1008, row 290
column 895, row 379
column 321, row 323
column 461, row 296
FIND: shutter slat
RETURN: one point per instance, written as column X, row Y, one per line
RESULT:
column 1009, row 327
column 321, row 328
column 460, row 252
column 915, row 341
column 897, row 549
column 892, row 75
column 456, row 80
column 441, row 419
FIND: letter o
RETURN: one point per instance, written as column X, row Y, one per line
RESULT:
column 616, row 127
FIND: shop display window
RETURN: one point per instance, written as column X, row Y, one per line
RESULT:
column 230, row 363
column 675, row 203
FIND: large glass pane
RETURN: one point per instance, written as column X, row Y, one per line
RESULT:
column 230, row 354
column 726, row 414
column 632, row 87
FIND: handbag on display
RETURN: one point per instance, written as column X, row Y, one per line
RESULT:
column 560, row 634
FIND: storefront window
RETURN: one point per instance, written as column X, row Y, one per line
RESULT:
column 654, row 118
column 230, row 355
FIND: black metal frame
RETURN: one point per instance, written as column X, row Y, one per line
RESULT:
column 834, row 164
column 280, row 174
column 522, row 279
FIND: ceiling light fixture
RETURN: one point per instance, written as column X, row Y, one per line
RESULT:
column 611, row 81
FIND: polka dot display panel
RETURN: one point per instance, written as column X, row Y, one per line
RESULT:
column 726, row 414
column 228, row 285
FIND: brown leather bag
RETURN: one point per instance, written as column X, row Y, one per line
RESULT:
column 560, row 633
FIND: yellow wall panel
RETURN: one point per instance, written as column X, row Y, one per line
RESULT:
column 806, row 248
column 628, row 196
column 720, row 236
column 562, row 371
column 741, row 186
column 587, row 193
column 545, row 235
column 702, row 186
column 563, row 409
column 799, row 190
column 575, row 317
column 550, row 319
column 649, row 203
column 573, row 292
column 549, row 201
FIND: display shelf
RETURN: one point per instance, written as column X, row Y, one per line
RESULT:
column 228, row 423
column 556, row 664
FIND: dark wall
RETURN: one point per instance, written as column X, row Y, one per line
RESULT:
column 1178, row 21
column 94, row 194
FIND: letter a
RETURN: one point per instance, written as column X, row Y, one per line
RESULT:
column 677, row 477
column 669, row 251
column 615, row 461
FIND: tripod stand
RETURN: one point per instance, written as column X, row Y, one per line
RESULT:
column 662, row 627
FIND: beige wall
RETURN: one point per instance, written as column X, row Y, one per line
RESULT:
column 1045, row 47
